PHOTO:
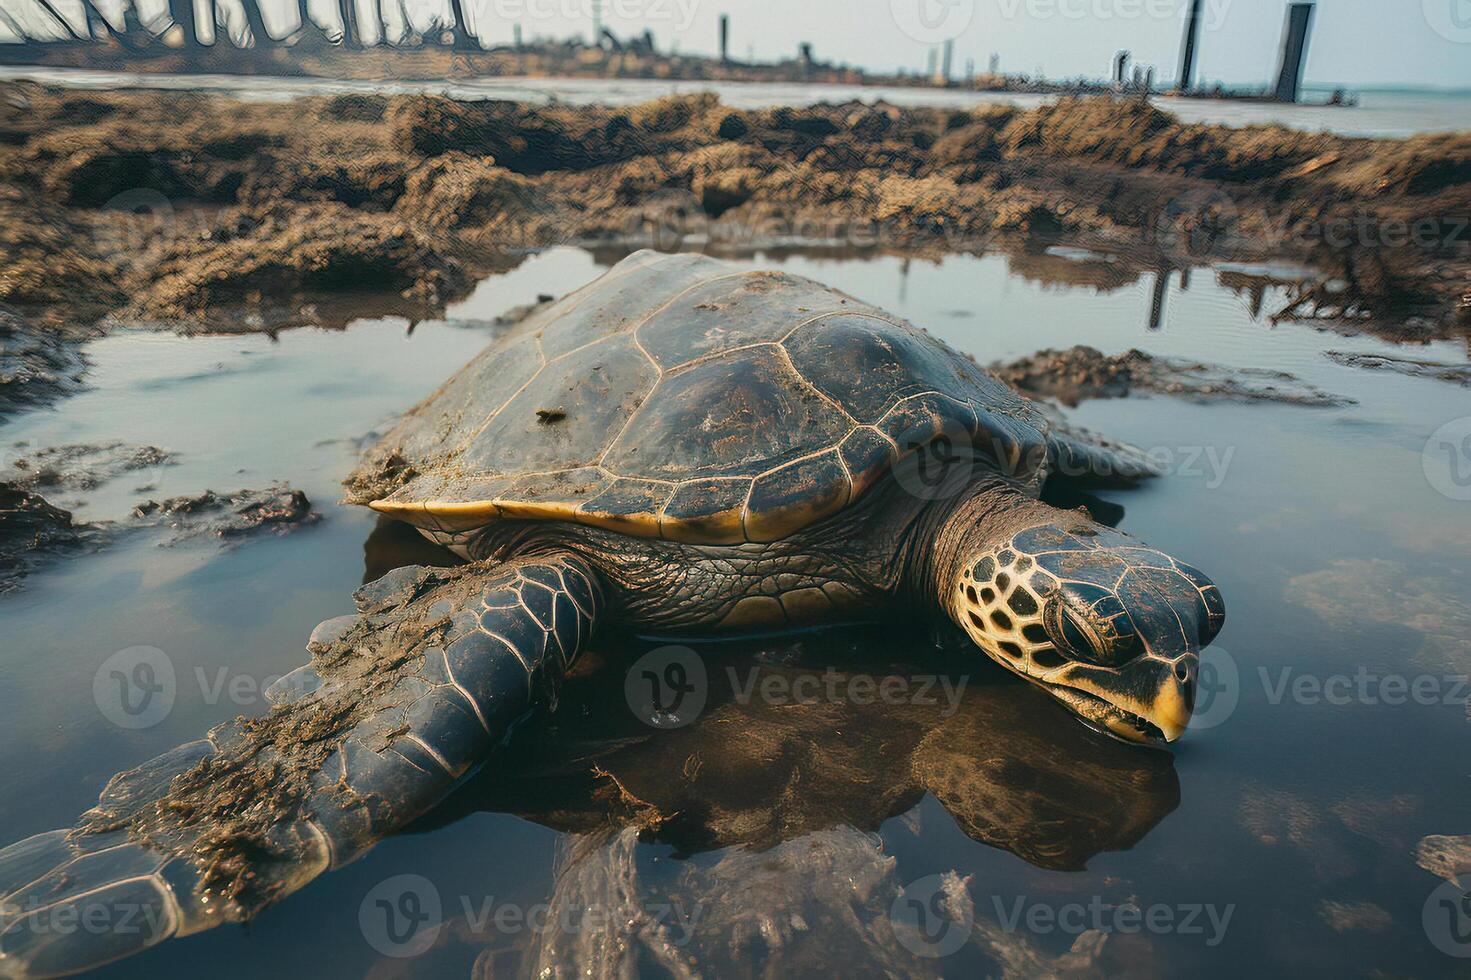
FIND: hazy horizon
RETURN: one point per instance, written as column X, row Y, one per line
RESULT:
column 1425, row 43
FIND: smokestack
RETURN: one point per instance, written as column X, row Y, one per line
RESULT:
column 1120, row 69
column 949, row 56
column 1294, row 50
column 724, row 37
column 1192, row 38
column 994, row 67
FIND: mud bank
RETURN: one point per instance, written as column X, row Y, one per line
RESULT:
column 229, row 517
column 36, row 366
column 33, row 532
column 187, row 208
column 1081, row 373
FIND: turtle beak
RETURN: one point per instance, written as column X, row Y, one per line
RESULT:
column 1148, row 703
column 1149, row 699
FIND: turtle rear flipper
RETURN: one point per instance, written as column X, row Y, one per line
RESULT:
column 400, row 703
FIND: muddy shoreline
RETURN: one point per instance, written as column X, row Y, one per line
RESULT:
column 205, row 213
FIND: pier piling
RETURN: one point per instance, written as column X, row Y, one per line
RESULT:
column 1294, row 50
column 1187, row 56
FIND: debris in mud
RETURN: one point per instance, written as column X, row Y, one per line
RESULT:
column 33, row 531
column 35, row 366
column 1454, row 373
column 277, row 509
column 1080, row 373
column 795, row 908
column 82, row 467
column 421, row 194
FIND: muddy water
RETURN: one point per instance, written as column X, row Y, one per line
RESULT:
column 1280, row 835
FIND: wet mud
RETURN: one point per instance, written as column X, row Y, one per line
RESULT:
column 1081, row 373
column 34, row 532
column 230, row 517
column 1459, row 374
column 170, row 206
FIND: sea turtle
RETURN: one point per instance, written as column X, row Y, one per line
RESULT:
column 681, row 448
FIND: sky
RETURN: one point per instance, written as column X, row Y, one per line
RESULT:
column 1354, row 42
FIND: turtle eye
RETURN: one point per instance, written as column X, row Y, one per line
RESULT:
column 1074, row 640
column 1100, row 632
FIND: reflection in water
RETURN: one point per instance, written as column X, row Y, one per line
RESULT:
column 771, row 798
column 1013, row 770
column 829, row 902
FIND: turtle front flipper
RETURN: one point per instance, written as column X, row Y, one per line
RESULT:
column 1086, row 458
column 399, row 704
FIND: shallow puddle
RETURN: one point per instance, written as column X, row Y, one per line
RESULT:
column 1281, row 835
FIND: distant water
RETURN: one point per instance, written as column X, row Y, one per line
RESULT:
column 1386, row 113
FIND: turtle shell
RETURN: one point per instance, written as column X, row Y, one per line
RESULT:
column 680, row 397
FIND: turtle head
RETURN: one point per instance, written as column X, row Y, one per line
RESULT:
column 1109, row 626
